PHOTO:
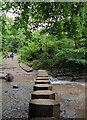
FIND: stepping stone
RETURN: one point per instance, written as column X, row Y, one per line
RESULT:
column 44, row 118
column 42, row 81
column 42, row 75
column 44, row 108
column 25, row 67
column 43, row 94
column 42, row 78
column 42, row 72
column 42, row 87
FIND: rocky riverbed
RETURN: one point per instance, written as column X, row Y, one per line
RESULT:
column 15, row 101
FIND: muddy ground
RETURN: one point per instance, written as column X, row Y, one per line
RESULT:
column 15, row 101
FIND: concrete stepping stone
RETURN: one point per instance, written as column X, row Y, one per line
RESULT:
column 43, row 94
column 42, row 72
column 44, row 108
column 42, row 87
column 44, row 118
column 25, row 67
column 42, row 81
column 42, row 78
column 42, row 75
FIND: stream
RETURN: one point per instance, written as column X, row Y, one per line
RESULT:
column 57, row 81
column 71, row 96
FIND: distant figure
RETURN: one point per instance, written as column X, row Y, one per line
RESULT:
column 6, row 54
column 11, row 55
column 9, row 77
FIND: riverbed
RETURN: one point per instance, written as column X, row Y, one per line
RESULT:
column 72, row 98
column 15, row 101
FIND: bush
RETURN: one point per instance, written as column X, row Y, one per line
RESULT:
column 48, row 51
column 73, row 55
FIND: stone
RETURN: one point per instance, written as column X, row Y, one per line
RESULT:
column 43, row 94
column 42, row 73
column 44, row 108
column 6, row 91
column 44, row 118
column 9, row 77
column 42, row 81
column 15, row 86
column 25, row 67
column 42, row 78
column 42, row 87
column 40, row 70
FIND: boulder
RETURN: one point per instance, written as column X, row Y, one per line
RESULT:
column 9, row 77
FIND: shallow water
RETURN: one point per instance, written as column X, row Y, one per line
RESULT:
column 71, row 96
column 57, row 81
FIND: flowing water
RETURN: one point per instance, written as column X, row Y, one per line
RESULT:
column 57, row 81
column 71, row 96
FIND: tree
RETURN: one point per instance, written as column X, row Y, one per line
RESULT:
column 65, row 24
column 12, row 39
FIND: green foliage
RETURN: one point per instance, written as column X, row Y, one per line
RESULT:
column 73, row 55
column 12, row 39
column 0, row 57
column 60, row 17
column 47, row 34
column 48, row 51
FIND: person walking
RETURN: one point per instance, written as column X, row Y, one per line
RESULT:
column 11, row 55
column 6, row 54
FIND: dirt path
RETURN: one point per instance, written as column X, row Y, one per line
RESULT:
column 15, row 102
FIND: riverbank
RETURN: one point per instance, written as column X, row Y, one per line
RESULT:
column 67, row 74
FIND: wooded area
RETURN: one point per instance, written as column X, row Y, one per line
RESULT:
column 46, row 34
